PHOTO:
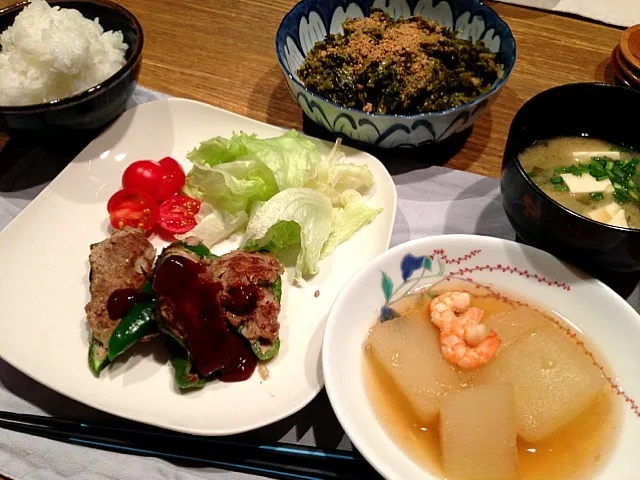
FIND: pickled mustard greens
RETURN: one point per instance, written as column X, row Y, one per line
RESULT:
column 406, row 66
column 591, row 177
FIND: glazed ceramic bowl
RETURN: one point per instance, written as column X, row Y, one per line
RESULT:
column 530, row 275
column 312, row 20
column 592, row 109
column 630, row 46
column 97, row 106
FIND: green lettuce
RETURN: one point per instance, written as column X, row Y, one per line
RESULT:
column 215, row 225
column 233, row 186
column 291, row 157
column 339, row 180
column 282, row 192
column 295, row 216
column 345, row 221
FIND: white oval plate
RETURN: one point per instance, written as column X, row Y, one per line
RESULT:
column 609, row 322
column 44, row 284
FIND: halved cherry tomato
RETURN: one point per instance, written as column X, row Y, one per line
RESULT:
column 177, row 214
column 133, row 209
column 158, row 180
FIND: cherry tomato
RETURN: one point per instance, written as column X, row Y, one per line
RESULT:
column 177, row 214
column 144, row 176
column 172, row 180
column 133, row 209
column 158, row 180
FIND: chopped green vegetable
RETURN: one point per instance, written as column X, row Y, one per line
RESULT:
column 597, row 195
column 621, row 149
column 200, row 249
column 183, row 374
column 576, row 169
column 557, row 180
column 98, row 358
column 410, row 65
column 277, row 289
column 136, row 324
column 622, row 174
column 147, row 288
column 561, row 187
column 265, row 355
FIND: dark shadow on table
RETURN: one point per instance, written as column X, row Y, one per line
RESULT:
column 315, row 424
column 397, row 160
column 46, row 156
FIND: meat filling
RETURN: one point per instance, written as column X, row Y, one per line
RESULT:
column 122, row 261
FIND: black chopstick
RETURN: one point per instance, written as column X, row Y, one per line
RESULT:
column 276, row 460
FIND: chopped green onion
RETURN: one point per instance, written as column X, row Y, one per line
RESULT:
column 557, row 180
column 621, row 149
column 561, row 187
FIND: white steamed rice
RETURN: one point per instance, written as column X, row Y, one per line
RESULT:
column 51, row 53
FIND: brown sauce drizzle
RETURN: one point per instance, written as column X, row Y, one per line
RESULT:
column 121, row 301
column 214, row 345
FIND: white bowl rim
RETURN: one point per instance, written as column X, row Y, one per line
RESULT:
column 361, row 445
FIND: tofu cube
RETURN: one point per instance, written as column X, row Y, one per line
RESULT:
column 619, row 220
column 585, row 183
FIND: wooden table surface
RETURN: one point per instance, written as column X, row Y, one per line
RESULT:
column 208, row 50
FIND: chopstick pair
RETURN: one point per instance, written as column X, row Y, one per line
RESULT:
column 275, row 460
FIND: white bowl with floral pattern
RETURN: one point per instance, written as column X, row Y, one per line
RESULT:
column 591, row 308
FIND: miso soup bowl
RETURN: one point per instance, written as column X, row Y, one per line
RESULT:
column 591, row 109
column 509, row 268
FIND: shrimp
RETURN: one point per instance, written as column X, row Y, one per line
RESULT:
column 464, row 340
column 443, row 308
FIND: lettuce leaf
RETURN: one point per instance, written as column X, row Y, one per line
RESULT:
column 218, row 150
column 291, row 157
column 295, row 216
column 334, row 178
column 215, row 225
column 345, row 221
column 284, row 193
column 232, row 186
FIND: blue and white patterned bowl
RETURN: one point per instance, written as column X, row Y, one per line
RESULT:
column 312, row 20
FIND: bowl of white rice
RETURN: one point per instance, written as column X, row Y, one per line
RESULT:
column 66, row 65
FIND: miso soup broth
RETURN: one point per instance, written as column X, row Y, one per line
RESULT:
column 591, row 177
column 575, row 449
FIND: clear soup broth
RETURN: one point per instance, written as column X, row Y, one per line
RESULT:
column 594, row 178
column 574, row 451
